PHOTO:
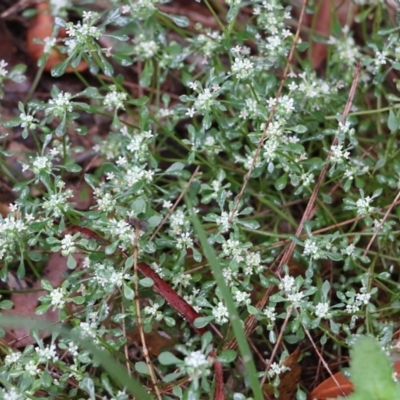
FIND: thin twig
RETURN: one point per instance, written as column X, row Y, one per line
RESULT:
column 321, row 358
column 139, row 316
column 310, row 209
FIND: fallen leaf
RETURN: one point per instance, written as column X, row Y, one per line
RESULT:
column 156, row 342
column 25, row 303
column 289, row 379
column 328, row 389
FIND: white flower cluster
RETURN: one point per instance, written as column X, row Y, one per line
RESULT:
column 355, row 303
column 3, row 71
column 115, row 99
column 12, row 231
column 290, row 290
column 60, row 105
column 82, row 33
column 197, row 365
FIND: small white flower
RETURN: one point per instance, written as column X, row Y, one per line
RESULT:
column 184, row 241
column 49, row 43
column 322, row 310
column 58, row 297
column 12, row 358
column 190, row 112
column 270, row 313
column 242, row 68
column 47, row 353
column 276, row 369
column 338, row 155
column 3, row 71
column 115, row 99
column 220, row 313
column 242, row 297
column 197, row 365
column 121, row 160
column 363, row 298
column 363, row 206
column 167, row 204
column 287, row 284
column 31, row 368
column 67, row 245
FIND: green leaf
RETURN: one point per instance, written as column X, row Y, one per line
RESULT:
column 178, row 166
column 73, row 168
column 281, row 182
column 129, row 294
column 167, row 358
column 146, row 282
column 87, row 385
column 46, row 285
column 59, row 69
column 233, row 10
column 129, row 262
column 302, row 46
column 142, row 368
column 249, row 224
column 42, row 309
column 139, row 206
column 71, row 262
column 91, row 181
column 91, row 92
column 112, row 16
column 147, row 74
column 392, row 122
column 78, row 299
column 227, row 356
column 179, row 20
column 201, row 322
column 34, row 255
column 6, row 304
column 110, row 249
column 372, row 372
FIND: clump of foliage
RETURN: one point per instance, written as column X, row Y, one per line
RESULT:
column 288, row 223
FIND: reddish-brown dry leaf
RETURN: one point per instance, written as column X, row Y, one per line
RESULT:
column 219, row 393
column 162, row 287
column 329, row 390
column 41, row 28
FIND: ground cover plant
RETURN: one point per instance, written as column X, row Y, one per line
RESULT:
column 198, row 199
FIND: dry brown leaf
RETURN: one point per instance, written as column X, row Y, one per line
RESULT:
column 26, row 303
column 329, row 390
column 289, row 379
column 155, row 341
